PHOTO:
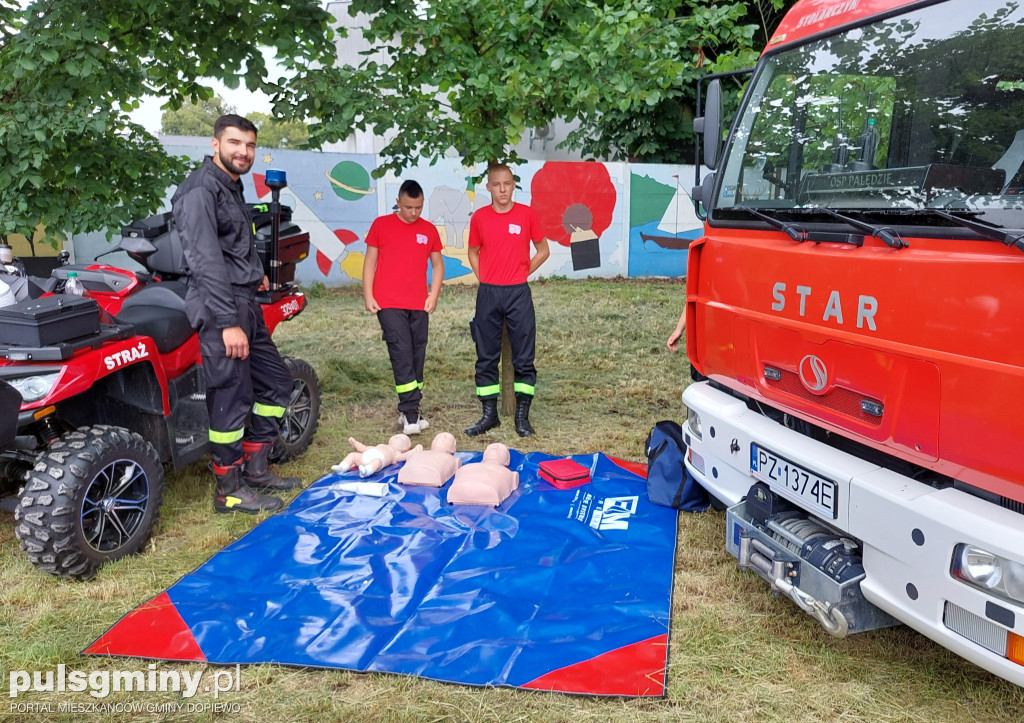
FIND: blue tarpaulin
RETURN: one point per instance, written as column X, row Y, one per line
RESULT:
column 564, row 590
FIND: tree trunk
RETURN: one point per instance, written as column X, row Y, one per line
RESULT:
column 508, row 376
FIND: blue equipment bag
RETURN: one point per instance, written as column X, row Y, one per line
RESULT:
column 668, row 482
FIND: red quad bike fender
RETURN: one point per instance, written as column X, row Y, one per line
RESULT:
column 80, row 372
column 283, row 309
column 123, row 284
column 83, row 370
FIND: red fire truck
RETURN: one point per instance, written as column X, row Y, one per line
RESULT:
column 856, row 344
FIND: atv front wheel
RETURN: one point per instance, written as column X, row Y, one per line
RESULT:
column 298, row 427
column 92, row 497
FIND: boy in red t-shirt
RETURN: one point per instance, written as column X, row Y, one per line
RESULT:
column 398, row 247
column 499, row 252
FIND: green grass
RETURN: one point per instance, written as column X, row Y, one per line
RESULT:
column 605, row 377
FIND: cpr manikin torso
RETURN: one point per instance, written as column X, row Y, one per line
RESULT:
column 488, row 482
column 431, row 467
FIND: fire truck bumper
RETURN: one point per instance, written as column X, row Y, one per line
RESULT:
column 942, row 561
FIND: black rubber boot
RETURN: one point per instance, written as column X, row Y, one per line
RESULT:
column 256, row 469
column 523, row 428
column 489, row 420
column 233, row 496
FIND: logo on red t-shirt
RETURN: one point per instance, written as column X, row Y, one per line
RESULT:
column 421, row 238
column 514, row 229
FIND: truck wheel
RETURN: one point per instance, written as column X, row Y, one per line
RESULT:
column 303, row 414
column 93, row 496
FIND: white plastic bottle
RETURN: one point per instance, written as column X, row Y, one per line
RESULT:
column 6, row 294
column 73, row 286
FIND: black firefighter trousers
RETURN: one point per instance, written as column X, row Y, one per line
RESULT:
column 256, row 389
column 405, row 331
column 513, row 307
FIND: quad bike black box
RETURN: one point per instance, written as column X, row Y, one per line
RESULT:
column 292, row 247
column 48, row 320
column 154, row 243
column 151, row 227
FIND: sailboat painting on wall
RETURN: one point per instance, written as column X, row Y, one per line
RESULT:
column 670, row 233
column 662, row 223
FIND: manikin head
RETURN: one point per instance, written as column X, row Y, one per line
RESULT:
column 401, row 442
column 497, row 453
column 444, row 442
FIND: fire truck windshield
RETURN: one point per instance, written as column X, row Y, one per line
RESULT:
column 923, row 110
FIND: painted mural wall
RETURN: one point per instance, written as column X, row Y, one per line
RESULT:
column 602, row 219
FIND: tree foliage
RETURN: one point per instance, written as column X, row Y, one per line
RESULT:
column 197, row 119
column 474, row 76
column 194, row 119
column 275, row 133
column 71, row 71
column 724, row 37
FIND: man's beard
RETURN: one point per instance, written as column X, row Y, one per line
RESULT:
column 230, row 164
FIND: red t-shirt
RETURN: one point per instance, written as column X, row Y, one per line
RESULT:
column 400, row 281
column 504, row 241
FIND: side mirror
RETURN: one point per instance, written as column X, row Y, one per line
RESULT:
column 703, row 196
column 711, row 124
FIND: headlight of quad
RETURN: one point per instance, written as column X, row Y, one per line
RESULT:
column 35, row 387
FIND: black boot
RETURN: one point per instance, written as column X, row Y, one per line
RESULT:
column 489, row 420
column 523, row 428
column 256, row 470
column 233, row 496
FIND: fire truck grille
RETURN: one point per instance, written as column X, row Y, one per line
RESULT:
column 975, row 628
column 839, row 399
column 1013, row 505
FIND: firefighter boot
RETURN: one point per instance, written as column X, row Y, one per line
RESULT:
column 489, row 420
column 231, row 495
column 523, row 428
column 256, row 470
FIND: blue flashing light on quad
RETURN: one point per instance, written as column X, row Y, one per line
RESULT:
column 102, row 391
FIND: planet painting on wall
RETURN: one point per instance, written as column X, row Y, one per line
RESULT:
column 350, row 181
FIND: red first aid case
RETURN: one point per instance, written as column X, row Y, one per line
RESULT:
column 564, row 473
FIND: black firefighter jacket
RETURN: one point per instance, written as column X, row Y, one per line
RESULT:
column 215, row 226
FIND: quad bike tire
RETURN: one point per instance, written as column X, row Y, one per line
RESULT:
column 93, row 496
column 302, row 416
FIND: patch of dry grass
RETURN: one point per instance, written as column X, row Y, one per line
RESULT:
column 736, row 652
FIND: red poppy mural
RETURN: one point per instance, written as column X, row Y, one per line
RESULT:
column 574, row 202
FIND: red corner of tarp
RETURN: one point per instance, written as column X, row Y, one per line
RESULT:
column 153, row 630
column 634, row 670
column 638, row 468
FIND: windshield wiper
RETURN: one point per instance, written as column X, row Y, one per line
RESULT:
column 888, row 236
column 793, row 230
column 1016, row 240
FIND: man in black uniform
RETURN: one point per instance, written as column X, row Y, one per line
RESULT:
column 240, row 361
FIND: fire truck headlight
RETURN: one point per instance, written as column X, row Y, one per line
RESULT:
column 693, row 423
column 977, row 566
column 989, row 572
column 1013, row 580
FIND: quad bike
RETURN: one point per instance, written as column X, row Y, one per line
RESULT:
column 110, row 388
